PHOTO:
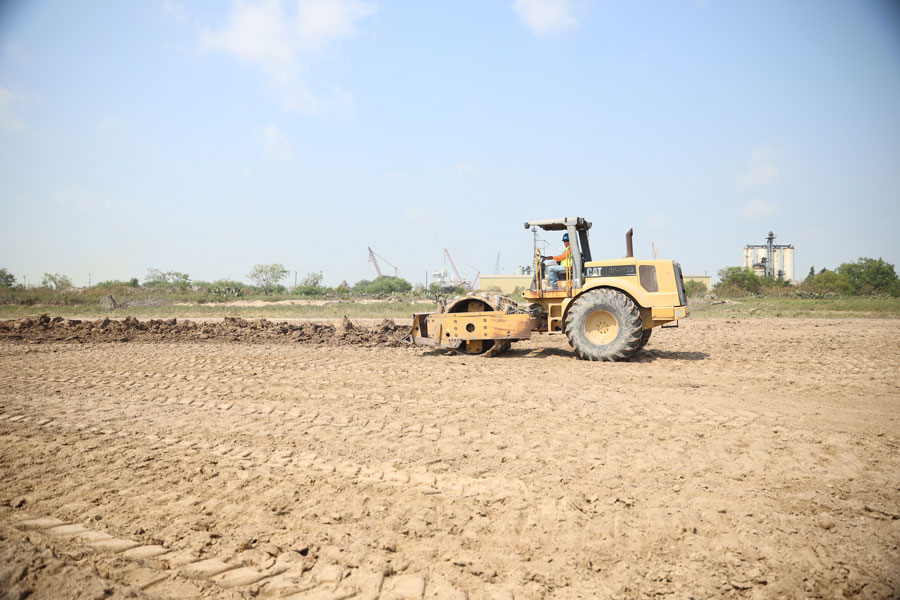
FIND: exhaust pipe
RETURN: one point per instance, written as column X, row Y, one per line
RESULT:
column 629, row 248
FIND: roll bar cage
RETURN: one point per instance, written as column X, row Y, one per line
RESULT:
column 577, row 228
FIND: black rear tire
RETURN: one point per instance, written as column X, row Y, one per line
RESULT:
column 604, row 324
column 645, row 337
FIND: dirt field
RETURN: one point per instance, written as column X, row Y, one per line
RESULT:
column 749, row 459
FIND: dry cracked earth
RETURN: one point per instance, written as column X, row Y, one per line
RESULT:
column 732, row 458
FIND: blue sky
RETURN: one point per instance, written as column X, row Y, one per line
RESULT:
column 206, row 137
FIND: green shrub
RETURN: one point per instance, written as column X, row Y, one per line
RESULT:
column 737, row 279
column 894, row 290
column 117, row 283
column 222, row 290
column 311, row 285
column 360, row 286
column 268, row 276
column 41, row 296
column 868, row 276
column 695, row 288
column 343, row 289
column 827, row 282
column 55, row 281
column 172, row 280
column 309, row 290
column 7, row 279
column 388, row 285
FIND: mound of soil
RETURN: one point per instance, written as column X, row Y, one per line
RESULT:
column 59, row 329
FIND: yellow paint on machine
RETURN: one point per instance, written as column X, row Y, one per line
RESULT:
column 450, row 328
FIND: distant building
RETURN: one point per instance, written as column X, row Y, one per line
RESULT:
column 505, row 284
column 704, row 279
column 770, row 259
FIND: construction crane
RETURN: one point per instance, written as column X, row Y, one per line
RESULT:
column 475, row 280
column 374, row 261
column 459, row 280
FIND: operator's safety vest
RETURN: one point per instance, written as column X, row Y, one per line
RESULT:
column 567, row 261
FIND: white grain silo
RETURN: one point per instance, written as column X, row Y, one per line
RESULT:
column 770, row 259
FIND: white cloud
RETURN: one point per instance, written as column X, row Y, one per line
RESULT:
column 283, row 44
column 321, row 21
column 9, row 100
column 757, row 208
column 276, row 145
column 761, row 169
column 546, row 17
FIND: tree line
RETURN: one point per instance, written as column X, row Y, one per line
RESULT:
column 866, row 276
column 267, row 280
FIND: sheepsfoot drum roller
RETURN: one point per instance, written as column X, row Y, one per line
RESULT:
column 606, row 308
column 482, row 323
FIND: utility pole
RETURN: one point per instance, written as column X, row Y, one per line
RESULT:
column 89, row 280
column 295, row 278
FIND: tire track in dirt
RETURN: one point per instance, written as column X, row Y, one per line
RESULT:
column 624, row 480
column 242, row 457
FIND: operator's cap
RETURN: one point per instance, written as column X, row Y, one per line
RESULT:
column 565, row 237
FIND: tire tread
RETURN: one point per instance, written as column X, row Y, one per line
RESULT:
column 627, row 343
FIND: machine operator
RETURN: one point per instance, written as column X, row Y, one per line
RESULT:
column 564, row 260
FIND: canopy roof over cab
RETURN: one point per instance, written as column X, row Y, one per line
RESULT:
column 579, row 223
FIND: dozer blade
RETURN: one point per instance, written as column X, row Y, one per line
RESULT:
column 449, row 330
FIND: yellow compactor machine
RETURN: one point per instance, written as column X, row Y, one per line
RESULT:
column 607, row 308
